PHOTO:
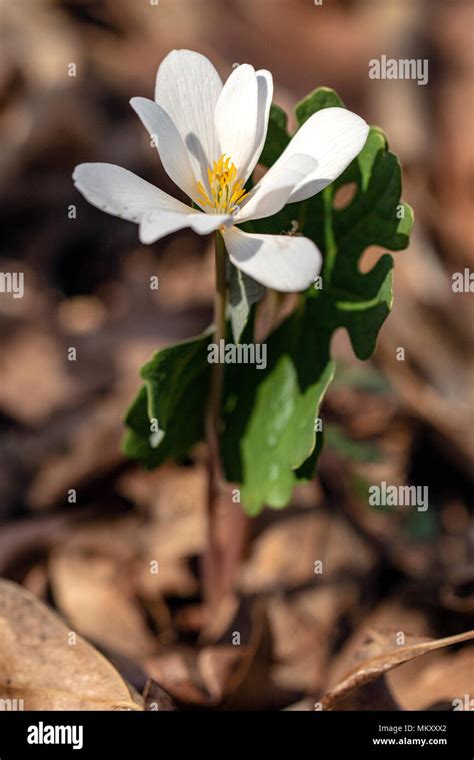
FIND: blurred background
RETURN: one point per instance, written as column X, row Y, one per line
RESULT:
column 79, row 524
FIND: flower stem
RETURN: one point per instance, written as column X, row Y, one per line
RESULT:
column 220, row 300
column 227, row 523
column 212, row 558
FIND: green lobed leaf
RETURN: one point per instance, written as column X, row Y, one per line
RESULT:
column 269, row 416
column 322, row 97
column 174, row 394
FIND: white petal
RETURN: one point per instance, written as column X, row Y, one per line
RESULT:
column 274, row 189
column 156, row 224
column 285, row 263
column 265, row 95
column 121, row 193
column 188, row 87
column 173, row 152
column 333, row 137
column 236, row 117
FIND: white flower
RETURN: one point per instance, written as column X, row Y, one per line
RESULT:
column 209, row 138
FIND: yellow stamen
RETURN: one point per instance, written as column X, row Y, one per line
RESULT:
column 225, row 191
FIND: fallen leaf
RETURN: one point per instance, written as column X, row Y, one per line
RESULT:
column 91, row 582
column 41, row 667
column 365, row 687
column 91, row 594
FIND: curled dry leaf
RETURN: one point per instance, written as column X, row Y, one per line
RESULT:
column 365, row 687
column 39, row 665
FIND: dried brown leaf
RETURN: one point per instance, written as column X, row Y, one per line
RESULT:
column 364, row 687
column 41, row 667
column 93, row 594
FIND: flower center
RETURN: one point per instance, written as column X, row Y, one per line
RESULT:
column 225, row 191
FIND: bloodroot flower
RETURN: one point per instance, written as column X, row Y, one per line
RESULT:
column 210, row 137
